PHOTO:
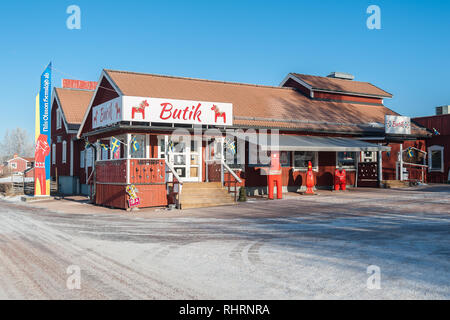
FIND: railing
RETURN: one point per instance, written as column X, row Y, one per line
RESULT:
column 176, row 181
column 227, row 182
column 415, row 171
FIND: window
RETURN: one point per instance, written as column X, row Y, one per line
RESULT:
column 58, row 119
column 233, row 151
column 82, row 159
column 14, row 165
column 302, row 158
column 346, row 159
column 285, row 158
column 54, row 154
column 436, row 158
column 140, row 152
column 64, row 152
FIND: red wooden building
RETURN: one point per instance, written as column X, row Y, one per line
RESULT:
column 182, row 138
column 18, row 165
column 438, row 145
column 68, row 108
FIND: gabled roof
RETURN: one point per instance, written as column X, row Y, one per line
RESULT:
column 328, row 84
column 74, row 103
column 256, row 105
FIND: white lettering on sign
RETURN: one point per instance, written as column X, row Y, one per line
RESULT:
column 397, row 125
column 107, row 113
column 143, row 109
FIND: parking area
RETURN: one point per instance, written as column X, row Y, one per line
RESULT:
column 301, row 247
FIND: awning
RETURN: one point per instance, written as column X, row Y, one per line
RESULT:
column 312, row 143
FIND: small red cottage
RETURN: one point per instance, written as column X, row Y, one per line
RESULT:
column 157, row 140
column 18, row 165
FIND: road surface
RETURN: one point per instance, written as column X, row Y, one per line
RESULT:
column 298, row 248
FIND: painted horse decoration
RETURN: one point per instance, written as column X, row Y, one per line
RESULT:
column 140, row 109
column 219, row 114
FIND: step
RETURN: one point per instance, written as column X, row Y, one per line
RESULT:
column 206, row 200
column 202, row 185
column 396, row 184
column 205, row 205
column 205, row 192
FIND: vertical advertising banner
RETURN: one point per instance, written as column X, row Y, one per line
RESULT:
column 43, row 136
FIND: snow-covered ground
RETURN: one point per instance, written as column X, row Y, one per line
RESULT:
column 300, row 248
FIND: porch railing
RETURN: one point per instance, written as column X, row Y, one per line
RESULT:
column 231, row 178
column 175, row 185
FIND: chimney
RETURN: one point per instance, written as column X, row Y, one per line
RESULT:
column 442, row 110
column 15, row 155
column 341, row 75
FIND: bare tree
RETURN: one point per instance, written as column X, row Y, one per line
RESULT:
column 18, row 141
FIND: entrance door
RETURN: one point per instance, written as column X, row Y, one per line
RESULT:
column 214, row 156
column 184, row 153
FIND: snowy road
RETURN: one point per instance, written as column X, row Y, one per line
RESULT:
column 300, row 248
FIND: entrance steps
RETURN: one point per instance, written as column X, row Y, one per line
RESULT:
column 395, row 184
column 204, row 194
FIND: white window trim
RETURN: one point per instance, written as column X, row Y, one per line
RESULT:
column 64, row 151
column 58, row 119
column 430, row 163
column 82, row 159
column 53, row 153
column 303, row 169
column 349, row 168
column 14, row 165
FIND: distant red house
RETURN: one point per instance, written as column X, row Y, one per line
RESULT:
column 17, row 165
column 438, row 145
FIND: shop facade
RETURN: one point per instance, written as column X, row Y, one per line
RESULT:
column 162, row 133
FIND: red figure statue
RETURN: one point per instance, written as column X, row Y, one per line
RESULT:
column 141, row 109
column 274, row 176
column 340, row 179
column 42, row 150
column 310, row 179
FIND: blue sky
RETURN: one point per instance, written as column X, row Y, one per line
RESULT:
column 244, row 41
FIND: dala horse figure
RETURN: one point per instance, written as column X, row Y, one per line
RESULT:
column 42, row 151
column 219, row 114
column 141, row 109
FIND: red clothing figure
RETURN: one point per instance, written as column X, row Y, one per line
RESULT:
column 340, row 179
column 42, row 150
column 274, row 176
column 310, row 179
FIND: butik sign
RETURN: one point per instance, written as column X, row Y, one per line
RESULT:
column 141, row 109
column 397, row 125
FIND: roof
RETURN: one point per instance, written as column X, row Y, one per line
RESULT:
column 256, row 105
column 21, row 158
column 73, row 103
column 342, row 85
column 313, row 143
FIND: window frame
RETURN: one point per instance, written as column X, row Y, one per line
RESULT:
column 315, row 161
column 58, row 119
column 430, row 159
column 64, row 151
column 53, row 153
column 348, row 168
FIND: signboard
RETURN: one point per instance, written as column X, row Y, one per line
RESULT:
column 79, row 84
column 397, row 125
column 134, row 202
column 43, row 135
column 142, row 109
column 107, row 113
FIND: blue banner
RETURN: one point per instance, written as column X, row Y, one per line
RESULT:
column 43, row 141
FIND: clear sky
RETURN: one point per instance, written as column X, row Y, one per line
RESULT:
column 244, row 41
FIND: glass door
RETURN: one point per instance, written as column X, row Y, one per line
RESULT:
column 184, row 154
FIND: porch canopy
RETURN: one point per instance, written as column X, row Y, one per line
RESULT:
column 313, row 143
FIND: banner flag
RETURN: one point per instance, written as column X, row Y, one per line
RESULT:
column 43, row 135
